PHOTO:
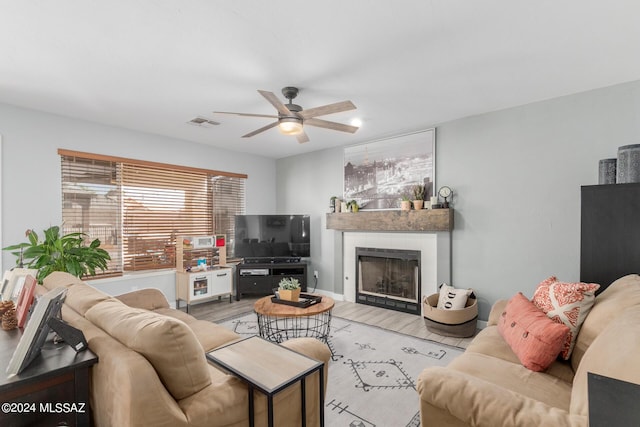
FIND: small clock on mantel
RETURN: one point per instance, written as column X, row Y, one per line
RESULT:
column 446, row 193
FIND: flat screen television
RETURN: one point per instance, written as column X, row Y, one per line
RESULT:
column 272, row 237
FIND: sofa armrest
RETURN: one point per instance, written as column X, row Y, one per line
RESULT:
column 467, row 400
column 148, row 299
column 496, row 311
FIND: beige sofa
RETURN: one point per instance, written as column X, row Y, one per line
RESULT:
column 488, row 387
column 152, row 369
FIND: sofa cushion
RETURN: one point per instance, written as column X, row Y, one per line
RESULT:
column 489, row 342
column 80, row 296
column 451, row 298
column 209, row 335
column 60, row 278
column 533, row 337
column 148, row 298
column 514, row 377
column 169, row 344
column 613, row 353
column 620, row 295
column 566, row 303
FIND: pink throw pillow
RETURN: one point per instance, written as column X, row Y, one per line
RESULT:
column 533, row 337
column 566, row 303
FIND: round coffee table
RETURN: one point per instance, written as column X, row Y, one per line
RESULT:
column 280, row 322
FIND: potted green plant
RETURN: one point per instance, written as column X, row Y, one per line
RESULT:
column 60, row 253
column 405, row 203
column 418, row 196
column 289, row 289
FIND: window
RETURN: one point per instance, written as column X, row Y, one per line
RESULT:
column 138, row 208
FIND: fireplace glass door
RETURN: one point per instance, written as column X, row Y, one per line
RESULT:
column 388, row 278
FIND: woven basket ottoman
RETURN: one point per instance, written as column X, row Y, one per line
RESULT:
column 451, row 323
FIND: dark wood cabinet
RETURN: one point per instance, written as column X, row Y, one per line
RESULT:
column 610, row 233
column 261, row 278
column 52, row 390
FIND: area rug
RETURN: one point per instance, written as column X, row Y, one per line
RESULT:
column 373, row 372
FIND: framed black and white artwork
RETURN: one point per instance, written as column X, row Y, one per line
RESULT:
column 378, row 174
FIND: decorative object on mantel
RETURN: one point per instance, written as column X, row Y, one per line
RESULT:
column 433, row 201
column 289, row 289
column 628, row 166
column 446, row 193
column 405, row 204
column 343, row 207
column 334, row 204
column 377, row 172
column 607, row 171
column 418, row 196
column 353, row 206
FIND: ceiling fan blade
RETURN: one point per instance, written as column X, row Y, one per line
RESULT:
column 331, row 125
column 338, row 107
column 302, row 137
column 273, row 100
column 262, row 129
column 270, row 116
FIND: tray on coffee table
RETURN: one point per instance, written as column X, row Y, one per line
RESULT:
column 306, row 300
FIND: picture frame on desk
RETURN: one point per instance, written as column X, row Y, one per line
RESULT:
column 36, row 331
column 25, row 299
column 13, row 282
column 5, row 283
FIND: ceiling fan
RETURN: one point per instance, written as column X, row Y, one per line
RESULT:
column 292, row 117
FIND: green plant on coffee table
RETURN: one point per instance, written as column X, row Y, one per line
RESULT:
column 60, row 253
column 289, row 283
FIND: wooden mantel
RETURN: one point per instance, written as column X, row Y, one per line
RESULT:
column 424, row 220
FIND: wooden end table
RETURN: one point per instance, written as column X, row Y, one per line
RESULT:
column 52, row 390
column 270, row 368
column 280, row 322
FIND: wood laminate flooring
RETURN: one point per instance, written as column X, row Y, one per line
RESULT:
column 405, row 323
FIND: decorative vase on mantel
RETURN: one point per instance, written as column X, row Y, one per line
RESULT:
column 418, row 196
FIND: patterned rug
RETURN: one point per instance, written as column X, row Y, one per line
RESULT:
column 373, row 373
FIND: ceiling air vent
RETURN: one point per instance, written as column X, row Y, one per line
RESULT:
column 202, row 122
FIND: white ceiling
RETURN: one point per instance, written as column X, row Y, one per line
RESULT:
column 153, row 65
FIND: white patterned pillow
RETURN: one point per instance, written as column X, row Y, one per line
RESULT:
column 566, row 303
column 451, row 298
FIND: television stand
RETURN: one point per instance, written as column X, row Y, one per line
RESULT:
column 272, row 260
column 259, row 278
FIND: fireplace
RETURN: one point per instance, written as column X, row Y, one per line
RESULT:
column 389, row 278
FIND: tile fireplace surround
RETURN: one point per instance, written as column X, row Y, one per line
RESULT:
column 426, row 231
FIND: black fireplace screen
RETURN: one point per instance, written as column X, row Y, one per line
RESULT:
column 388, row 278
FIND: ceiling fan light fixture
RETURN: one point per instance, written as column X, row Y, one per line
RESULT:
column 290, row 126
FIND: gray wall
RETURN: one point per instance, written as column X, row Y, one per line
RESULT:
column 516, row 176
column 31, row 192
